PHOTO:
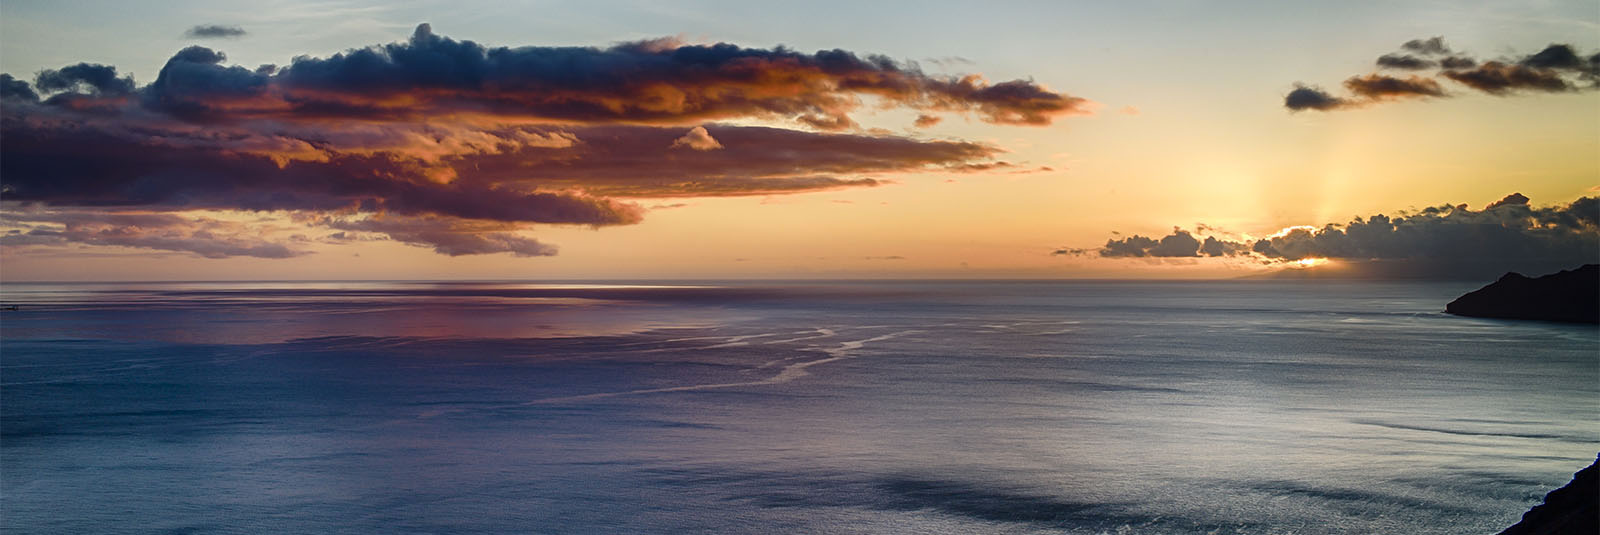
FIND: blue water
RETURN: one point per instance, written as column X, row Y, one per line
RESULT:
column 820, row 407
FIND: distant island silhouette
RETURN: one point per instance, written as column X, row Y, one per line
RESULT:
column 1569, row 296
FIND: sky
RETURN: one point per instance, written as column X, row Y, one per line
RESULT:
column 705, row 140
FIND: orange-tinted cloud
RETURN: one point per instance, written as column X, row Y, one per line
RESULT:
column 457, row 146
column 650, row 82
column 1381, row 87
column 697, row 139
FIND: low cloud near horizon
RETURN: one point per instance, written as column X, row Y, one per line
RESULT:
column 1439, row 242
column 461, row 147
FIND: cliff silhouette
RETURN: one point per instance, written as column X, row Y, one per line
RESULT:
column 1573, row 509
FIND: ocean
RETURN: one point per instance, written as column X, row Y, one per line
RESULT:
column 1260, row 407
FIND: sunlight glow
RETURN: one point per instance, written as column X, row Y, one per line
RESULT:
column 1287, row 230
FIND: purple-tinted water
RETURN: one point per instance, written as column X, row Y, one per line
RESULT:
column 1001, row 407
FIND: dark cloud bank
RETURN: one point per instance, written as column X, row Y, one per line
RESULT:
column 1447, row 242
column 456, row 146
column 1557, row 68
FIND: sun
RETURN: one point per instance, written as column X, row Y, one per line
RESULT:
column 1305, row 263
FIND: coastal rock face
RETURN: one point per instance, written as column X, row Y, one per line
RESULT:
column 1574, row 508
column 1572, row 296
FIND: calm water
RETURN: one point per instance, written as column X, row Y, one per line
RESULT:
column 1231, row 407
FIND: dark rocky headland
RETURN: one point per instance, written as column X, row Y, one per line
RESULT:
column 1573, row 509
column 1570, row 296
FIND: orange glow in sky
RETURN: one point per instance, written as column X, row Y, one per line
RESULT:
column 995, row 150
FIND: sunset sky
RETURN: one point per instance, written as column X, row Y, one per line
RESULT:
column 478, row 140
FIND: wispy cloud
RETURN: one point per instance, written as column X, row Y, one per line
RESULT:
column 214, row 31
column 1555, row 69
column 209, row 238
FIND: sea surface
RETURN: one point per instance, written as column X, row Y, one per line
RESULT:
column 1262, row 407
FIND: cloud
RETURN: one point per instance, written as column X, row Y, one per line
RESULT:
column 1433, row 46
column 697, row 139
column 529, row 174
column 1500, row 79
column 837, row 121
column 1557, row 56
column 1447, row 241
column 1305, row 97
column 660, row 81
column 1545, row 71
column 12, row 88
column 1556, row 68
column 1135, row 246
column 447, row 236
column 209, row 31
column 97, row 79
column 1379, row 87
column 1215, row 247
column 434, row 129
column 1015, row 102
column 209, row 238
column 949, row 61
column 733, row 187
column 1405, row 62
column 97, row 164
column 1176, row 245
column 1509, row 200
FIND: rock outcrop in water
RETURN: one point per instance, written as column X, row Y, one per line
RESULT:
column 1574, row 508
column 1572, row 296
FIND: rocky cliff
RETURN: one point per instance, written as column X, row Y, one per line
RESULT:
column 1573, row 509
